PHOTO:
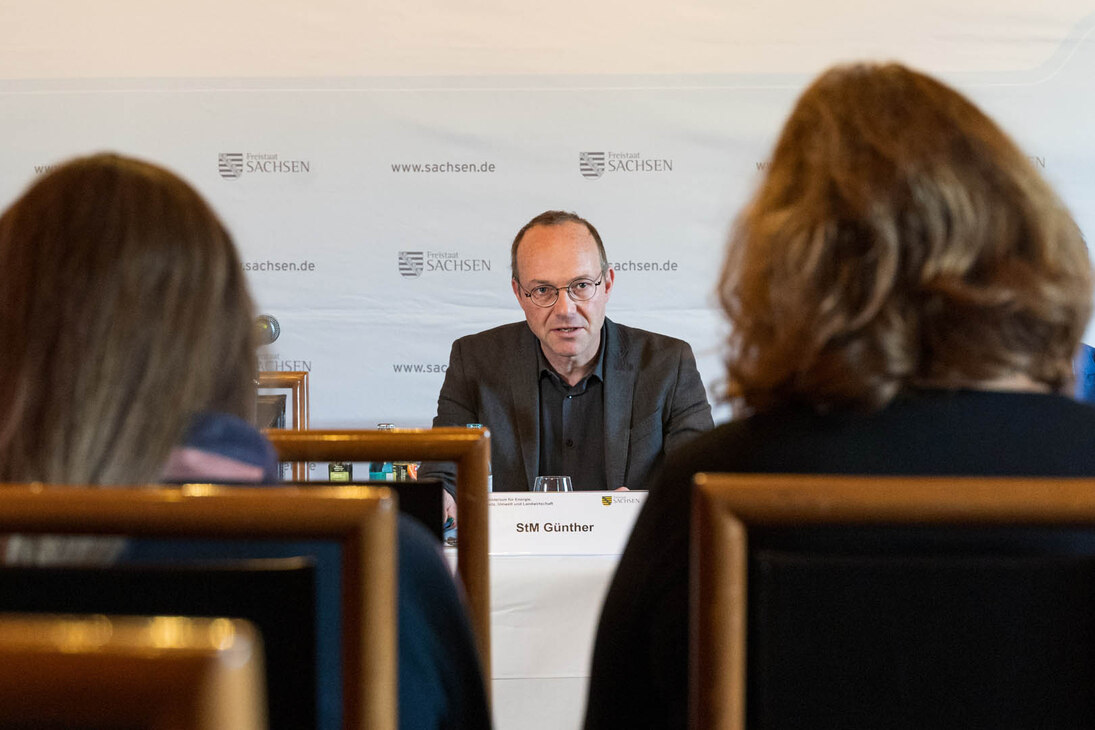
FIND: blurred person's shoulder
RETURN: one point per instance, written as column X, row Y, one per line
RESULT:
column 1084, row 366
column 922, row 432
column 221, row 447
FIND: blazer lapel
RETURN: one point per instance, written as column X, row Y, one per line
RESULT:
column 525, row 394
column 619, row 388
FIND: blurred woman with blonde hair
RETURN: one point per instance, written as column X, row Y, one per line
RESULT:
column 129, row 352
column 124, row 314
column 129, row 358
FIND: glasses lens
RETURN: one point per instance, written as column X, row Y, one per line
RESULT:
column 544, row 296
column 583, row 289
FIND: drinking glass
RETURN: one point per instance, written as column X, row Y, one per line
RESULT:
column 552, row 484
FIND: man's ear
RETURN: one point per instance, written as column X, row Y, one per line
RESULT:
column 516, row 290
column 610, row 280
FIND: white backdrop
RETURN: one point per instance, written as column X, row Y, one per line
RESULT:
column 383, row 157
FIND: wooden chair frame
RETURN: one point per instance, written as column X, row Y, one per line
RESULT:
column 724, row 506
column 361, row 519
column 469, row 448
column 151, row 672
column 297, row 383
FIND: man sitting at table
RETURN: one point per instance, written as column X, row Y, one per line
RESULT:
column 569, row 391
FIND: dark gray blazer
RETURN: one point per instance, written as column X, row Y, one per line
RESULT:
column 654, row 401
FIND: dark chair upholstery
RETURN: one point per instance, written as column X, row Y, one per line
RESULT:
column 894, row 603
column 420, row 499
column 357, row 522
column 909, row 640
column 276, row 596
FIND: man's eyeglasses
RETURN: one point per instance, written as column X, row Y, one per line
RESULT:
column 579, row 290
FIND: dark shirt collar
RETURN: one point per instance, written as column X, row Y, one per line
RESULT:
column 597, row 372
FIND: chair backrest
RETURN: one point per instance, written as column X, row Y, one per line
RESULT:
column 296, row 382
column 420, row 499
column 837, row 601
column 468, row 448
column 278, row 597
column 160, row 673
column 360, row 520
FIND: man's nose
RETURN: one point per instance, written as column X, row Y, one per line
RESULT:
column 564, row 305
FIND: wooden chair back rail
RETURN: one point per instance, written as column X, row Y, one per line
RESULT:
column 724, row 506
column 469, row 448
column 159, row 672
column 361, row 519
column 297, row 382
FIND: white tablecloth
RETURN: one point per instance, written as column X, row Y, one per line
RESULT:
column 547, row 586
column 544, row 613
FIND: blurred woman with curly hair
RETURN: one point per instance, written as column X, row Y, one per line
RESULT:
column 905, row 296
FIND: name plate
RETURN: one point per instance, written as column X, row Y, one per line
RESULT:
column 562, row 523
